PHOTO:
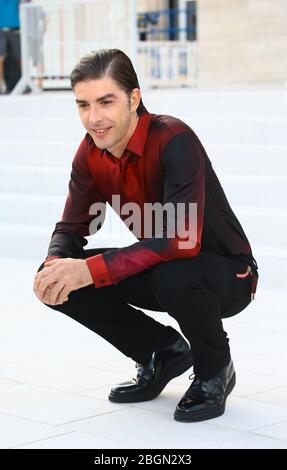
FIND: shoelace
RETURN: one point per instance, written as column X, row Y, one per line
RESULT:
column 195, row 386
column 195, row 380
column 140, row 368
column 205, row 385
column 143, row 370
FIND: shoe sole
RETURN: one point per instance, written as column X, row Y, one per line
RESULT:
column 205, row 415
column 177, row 369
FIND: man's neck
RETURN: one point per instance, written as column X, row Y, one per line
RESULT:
column 118, row 150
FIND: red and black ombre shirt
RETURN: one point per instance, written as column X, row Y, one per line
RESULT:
column 163, row 162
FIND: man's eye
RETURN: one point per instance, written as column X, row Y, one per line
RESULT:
column 82, row 105
column 106, row 102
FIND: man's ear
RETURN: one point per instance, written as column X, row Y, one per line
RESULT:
column 135, row 98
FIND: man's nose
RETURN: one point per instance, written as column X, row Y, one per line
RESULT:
column 94, row 117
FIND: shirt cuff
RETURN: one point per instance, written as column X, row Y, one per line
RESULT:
column 99, row 271
column 50, row 258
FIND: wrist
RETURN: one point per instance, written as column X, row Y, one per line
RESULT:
column 88, row 279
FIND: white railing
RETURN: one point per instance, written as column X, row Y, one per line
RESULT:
column 167, row 63
column 56, row 34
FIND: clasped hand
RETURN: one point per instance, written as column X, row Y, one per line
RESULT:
column 59, row 277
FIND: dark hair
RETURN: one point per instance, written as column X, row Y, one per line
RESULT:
column 107, row 62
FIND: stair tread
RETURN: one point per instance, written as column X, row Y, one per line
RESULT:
column 242, row 209
column 30, row 196
column 42, row 168
column 33, row 228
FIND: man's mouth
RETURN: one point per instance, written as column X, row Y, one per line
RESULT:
column 100, row 132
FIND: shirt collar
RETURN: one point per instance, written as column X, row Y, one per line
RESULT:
column 137, row 141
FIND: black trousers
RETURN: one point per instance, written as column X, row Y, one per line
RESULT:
column 198, row 292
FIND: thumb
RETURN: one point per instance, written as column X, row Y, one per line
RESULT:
column 51, row 262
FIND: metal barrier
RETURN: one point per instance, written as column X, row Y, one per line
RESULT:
column 167, row 63
column 56, row 34
column 169, row 24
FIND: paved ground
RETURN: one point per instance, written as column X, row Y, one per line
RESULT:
column 56, row 375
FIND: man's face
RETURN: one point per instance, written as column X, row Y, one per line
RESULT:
column 106, row 111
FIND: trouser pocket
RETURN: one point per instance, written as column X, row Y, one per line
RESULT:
column 242, row 287
column 252, row 276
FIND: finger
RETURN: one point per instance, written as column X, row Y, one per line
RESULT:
column 46, row 270
column 52, row 261
column 55, row 291
column 46, row 297
column 41, row 275
column 36, row 292
column 63, row 296
column 46, row 282
column 37, row 281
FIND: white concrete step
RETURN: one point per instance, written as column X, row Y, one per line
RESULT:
column 205, row 102
column 35, row 179
column 57, row 129
column 37, row 152
column 259, row 160
column 267, row 227
column 27, row 209
column 231, row 130
column 47, row 104
column 239, row 159
column 272, row 267
column 32, row 242
column 262, row 191
column 258, row 224
column 216, row 130
column 213, row 103
column 244, row 133
column 45, row 211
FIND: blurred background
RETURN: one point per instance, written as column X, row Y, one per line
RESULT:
column 172, row 42
column 219, row 65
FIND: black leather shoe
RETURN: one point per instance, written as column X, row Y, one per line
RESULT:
column 205, row 399
column 154, row 375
